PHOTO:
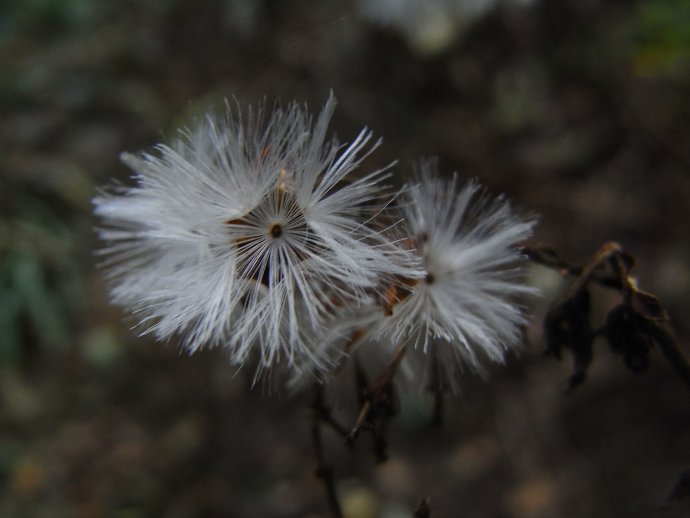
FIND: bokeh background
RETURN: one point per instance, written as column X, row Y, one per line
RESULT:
column 579, row 110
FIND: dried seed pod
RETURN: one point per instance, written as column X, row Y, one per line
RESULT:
column 626, row 332
column 567, row 327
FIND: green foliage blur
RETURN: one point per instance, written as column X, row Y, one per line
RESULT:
column 663, row 38
column 40, row 281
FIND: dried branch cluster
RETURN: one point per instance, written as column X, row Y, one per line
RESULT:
column 633, row 326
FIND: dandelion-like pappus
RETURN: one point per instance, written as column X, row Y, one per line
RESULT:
column 245, row 232
column 254, row 232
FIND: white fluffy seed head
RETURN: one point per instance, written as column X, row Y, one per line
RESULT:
column 460, row 312
column 250, row 232
column 466, row 308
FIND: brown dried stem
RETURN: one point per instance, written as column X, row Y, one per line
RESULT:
column 549, row 258
column 422, row 510
column 608, row 251
column 436, row 388
column 671, row 351
column 324, row 471
column 375, row 393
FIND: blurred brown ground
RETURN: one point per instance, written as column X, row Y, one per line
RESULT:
column 579, row 111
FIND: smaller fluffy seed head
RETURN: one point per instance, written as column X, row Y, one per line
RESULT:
column 464, row 309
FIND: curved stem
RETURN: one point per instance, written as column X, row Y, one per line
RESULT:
column 672, row 352
column 375, row 391
column 324, row 470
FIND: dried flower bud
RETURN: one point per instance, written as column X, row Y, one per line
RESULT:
column 567, row 326
column 626, row 332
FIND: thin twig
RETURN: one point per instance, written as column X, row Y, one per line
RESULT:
column 606, row 252
column 374, row 393
column 378, row 433
column 437, row 390
column 549, row 258
column 437, row 416
column 362, row 417
column 422, row 510
column 672, row 352
column 324, row 470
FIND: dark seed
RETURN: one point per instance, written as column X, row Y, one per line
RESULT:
column 276, row 231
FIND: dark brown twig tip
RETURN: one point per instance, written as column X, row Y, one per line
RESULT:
column 362, row 418
column 437, row 416
column 323, row 471
column 375, row 402
column 423, row 510
column 676, row 356
column 680, row 493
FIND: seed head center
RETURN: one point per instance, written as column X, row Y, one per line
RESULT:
column 276, row 230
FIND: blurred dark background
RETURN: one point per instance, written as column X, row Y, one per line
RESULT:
column 579, row 110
